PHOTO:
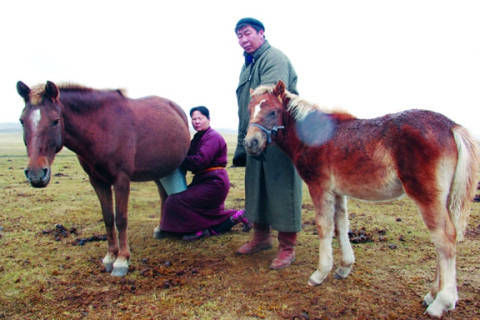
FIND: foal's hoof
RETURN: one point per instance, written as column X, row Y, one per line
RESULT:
column 316, row 278
column 342, row 272
column 339, row 277
column 312, row 283
column 443, row 302
column 428, row 300
column 434, row 312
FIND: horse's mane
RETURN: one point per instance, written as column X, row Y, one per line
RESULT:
column 38, row 91
column 299, row 108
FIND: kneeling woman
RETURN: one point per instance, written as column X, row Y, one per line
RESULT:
column 199, row 211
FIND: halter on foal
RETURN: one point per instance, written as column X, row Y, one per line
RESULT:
column 418, row 153
column 116, row 139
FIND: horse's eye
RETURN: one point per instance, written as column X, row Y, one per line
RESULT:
column 55, row 123
column 273, row 114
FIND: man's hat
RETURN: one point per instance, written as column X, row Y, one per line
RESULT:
column 249, row 21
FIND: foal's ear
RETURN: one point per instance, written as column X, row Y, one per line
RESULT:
column 279, row 88
column 23, row 90
column 51, row 91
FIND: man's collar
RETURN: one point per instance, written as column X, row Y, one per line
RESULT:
column 250, row 58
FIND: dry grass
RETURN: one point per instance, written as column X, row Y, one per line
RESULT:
column 46, row 278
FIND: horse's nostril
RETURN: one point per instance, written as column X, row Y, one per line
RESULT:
column 45, row 172
column 251, row 143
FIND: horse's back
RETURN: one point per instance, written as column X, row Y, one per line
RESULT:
column 162, row 137
column 164, row 107
column 380, row 158
column 399, row 132
column 420, row 135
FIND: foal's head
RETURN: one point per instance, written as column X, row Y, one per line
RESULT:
column 266, row 110
column 42, row 130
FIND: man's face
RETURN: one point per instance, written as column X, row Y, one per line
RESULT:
column 249, row 39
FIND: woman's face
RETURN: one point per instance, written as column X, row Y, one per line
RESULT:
column 199, row 121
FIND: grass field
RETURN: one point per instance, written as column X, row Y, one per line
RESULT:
column 48, row 276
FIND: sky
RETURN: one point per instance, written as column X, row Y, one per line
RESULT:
column 368, row 57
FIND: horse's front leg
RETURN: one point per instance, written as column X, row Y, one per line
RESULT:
column 324, row 212
column 104, row 194
column 122, row 192
column 341, row 232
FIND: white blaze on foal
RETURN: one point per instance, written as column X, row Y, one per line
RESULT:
column 257, row 108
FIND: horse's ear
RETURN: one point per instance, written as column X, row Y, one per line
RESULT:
column 23, row 90
column 51, row 91
column 279, row 88
column 251, row 92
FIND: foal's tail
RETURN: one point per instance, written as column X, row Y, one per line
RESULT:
column 465, row 180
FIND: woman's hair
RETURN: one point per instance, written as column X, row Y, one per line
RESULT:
column 203, row 110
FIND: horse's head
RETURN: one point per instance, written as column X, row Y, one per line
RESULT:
column 42, row 124
column 266, row 110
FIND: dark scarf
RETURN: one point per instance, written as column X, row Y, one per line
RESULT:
column 248, row 58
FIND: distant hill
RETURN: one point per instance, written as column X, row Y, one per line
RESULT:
column 226, row 130
column 10, row 127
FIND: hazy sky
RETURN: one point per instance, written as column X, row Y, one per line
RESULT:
column 367, row 57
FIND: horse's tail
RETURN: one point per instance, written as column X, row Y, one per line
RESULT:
column 465, row 179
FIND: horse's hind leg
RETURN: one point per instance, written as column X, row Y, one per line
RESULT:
column 324, row 221
column 104, row 194
column 430, row 296
column 443, row 294
column 341, row 232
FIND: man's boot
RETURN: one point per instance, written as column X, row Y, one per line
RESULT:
column 286, row 250
column 262, row 240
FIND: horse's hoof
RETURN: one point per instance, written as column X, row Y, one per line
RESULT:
column 156, row 233
column 339, row 277
column 428, row 300
column 437, row 308
column 160, row 235
column 436, row 313
column 312, row 283
column 108, row 267
column 120, row 271
column 120, row 267
column 342, row 273
column 316, row 278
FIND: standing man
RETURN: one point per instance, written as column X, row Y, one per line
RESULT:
column 273, row 188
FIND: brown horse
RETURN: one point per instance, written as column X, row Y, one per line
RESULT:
column 116, row 139
column 418, row 153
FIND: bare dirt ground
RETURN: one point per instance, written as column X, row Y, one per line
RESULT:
column 49, row 274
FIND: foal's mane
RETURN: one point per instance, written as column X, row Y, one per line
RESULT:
column 299, row 108
column 38, row 91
